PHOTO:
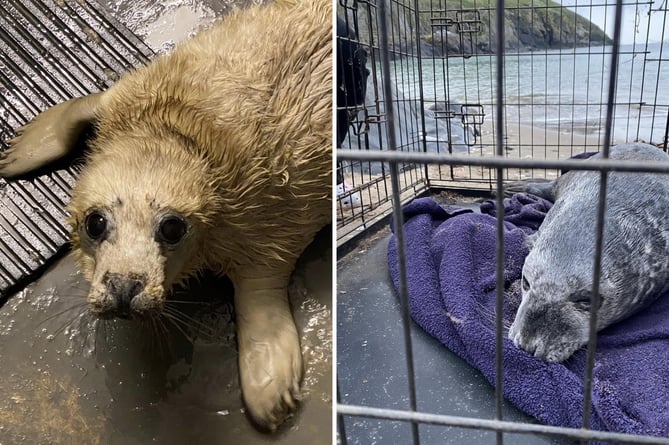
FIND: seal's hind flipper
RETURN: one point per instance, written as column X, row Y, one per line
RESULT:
column 49, row 137
column 538, row 187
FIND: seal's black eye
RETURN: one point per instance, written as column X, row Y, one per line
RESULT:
column 171, row 229
column 526, row 284
column 96, row 225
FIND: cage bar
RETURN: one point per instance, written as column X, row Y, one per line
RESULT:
column 468, row 127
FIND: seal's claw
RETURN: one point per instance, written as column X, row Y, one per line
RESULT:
column 4, row 155
column 20, row 157
column 290, row 399
column 7, row 160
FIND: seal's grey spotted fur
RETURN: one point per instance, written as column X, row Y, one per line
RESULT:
column 552, row 320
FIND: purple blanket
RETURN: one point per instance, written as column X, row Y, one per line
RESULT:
column 451, row 277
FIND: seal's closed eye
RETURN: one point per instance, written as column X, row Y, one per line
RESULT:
column 582, row 300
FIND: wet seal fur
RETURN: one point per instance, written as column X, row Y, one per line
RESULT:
column 217, row 156
column 553, row 318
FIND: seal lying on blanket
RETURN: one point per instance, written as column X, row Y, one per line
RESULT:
column 553, row 318
column 216, row 156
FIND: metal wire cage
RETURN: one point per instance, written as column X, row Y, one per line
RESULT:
column 467, row 94
column 556, row 71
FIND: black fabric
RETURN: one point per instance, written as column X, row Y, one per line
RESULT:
column 352, row 74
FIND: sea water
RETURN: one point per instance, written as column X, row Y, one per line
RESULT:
column 561, row 90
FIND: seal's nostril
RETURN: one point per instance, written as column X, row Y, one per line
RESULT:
column 135, row 287
column 123, row 288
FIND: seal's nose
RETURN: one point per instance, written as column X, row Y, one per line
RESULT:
column 123, row 288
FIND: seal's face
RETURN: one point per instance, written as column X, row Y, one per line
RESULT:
column 137, row 228
column 138, row 250
column 552, row 319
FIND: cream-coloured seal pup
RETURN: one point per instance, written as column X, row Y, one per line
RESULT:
column 217, row 156
column 552, row 321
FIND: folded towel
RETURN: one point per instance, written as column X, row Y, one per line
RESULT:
column 450, row 256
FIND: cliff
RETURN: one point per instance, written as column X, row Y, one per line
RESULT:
column 463, row 27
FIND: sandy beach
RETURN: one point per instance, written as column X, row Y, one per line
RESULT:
column 521, row 141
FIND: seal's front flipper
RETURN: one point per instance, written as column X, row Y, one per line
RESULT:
column 541, row 188
column 50, row 136
column 270, row 359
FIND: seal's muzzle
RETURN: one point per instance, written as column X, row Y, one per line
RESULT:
column 123, row 290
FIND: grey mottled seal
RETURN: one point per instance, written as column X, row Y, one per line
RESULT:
column 552, row 320
column 217, row 156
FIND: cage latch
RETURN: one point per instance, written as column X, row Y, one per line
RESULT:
column 465, row 21
column 471, row 116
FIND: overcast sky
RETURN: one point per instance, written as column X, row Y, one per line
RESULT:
column 631, row 23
